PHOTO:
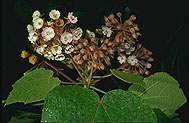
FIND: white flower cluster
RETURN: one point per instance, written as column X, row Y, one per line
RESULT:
column 131, row 59
column 107, row 31
column 50, row 39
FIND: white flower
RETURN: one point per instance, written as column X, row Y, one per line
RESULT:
column 72, row 18
column 66, row 37
column 60, row 57
column 107, row 31
column 29, row 27
column 56, row 49
column 48, row 33
column 132, row 60
column 32, row 37
column 54, row 14
column 49, row 55
column 77, row 33
column 121, row 58
column 69, row 49
column 38, row 23
column 41, row 49
column 91, row 34
column 36, row 14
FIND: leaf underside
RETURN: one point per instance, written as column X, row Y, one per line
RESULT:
column 161, row 91
column 32, row 87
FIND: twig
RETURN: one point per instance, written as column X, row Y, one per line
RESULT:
column 92, row 87
column 63, row 74
column 84, row 80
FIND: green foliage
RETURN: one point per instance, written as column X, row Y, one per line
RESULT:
column 162, row 117
column 32, row 87
column 24, row 117
column 77, row 104
column 128, row 77
column 161, row 91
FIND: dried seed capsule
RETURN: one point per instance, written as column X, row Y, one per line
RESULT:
column 106, row 19
column 111, row 52
column 114, row 21
column 133, row 17
column 108, row 24
column 88, row 67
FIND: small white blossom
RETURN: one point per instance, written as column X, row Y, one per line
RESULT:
column 77, row 33
column 132, row 60
column 66, row 38
column 48, row 33
column 32, row 37
column 49, row 55
column 56, row 49
column 91, row 34
column 107, row 31
column 54, row 14
column 29, row 27
column 38, row 23
column 41, row 49
column 122, row 58
column 72, row 18
column 36, row 14
column 60, row 57
column 69, row 49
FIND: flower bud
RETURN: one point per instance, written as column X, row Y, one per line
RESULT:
column 82, row 51
column 101, row 67
column 80, row 46
column 108, row 24
column 119, row 14
column 133, row 17
column 85, row 57
column 148, row 65
column 101, row 54
column 88, row 67
column 111, row 52
column 114, row 21
column 104, row 47
column 95, row 55
column 150, row 59
column 93, row 39
column 85, row 42
column 117, row 39
column 92, row 48
column 111, row 16
column 106, row 19
column 147, row 72
column 118, row 26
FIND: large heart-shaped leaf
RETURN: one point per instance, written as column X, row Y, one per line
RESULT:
column 32, row 87
column 78, row 104
column 128, row 77
column 161, row 91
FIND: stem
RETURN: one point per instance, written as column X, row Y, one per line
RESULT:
column 90, row 76
column 109, row 74
column 63, row 74
column 92, row 87
column 105, row 76
column 68, row 83
column 84, row 80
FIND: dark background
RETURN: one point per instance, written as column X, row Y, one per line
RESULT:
column 163, row 24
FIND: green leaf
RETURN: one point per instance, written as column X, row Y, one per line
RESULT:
column 78, row 104
column 136, row 89
column 32, row 87
column 128, row 77
column 162, row 117
column 162, row 91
